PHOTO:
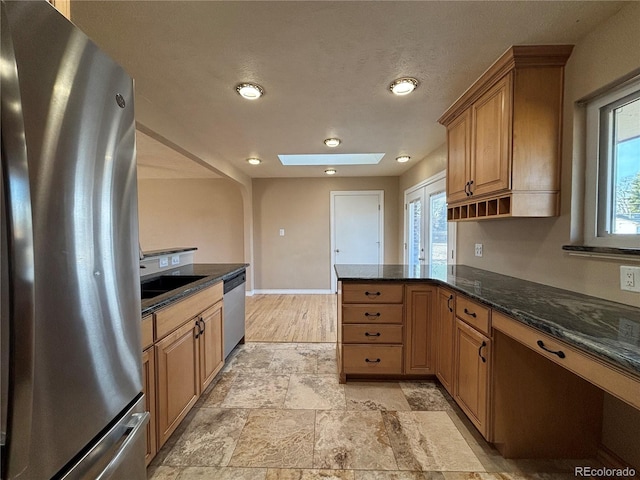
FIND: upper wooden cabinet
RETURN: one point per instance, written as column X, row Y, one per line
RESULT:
column 504, row 138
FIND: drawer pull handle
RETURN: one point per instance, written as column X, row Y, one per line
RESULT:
column 372, row 294
column 449, row 303
column 484, row 344
column 377, row 360
column 471, row 314
column 559, row 353
column 372, row 314
column 367, row 334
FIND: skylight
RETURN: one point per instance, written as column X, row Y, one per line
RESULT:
column 332, row 159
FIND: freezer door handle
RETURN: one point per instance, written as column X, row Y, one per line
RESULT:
column 135, row 428
column 19, row 235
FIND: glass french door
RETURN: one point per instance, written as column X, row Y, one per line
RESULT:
column 415, row 235
column 429, row 239
column 438, row 233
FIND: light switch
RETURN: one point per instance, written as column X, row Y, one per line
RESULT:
column 282, row 232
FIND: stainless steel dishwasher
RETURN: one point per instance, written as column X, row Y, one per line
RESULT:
column 234, row 311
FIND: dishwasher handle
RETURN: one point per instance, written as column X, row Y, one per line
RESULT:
column 234, row 282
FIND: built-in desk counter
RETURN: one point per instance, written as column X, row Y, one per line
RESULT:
column 528, row 363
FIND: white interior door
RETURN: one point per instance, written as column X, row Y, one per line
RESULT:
column 357, row 229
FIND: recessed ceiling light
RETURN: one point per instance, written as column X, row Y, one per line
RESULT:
column 254, row 161
column 332, row 142
column 403, row 159
column 330, row 171
column 403, row 86
column 250, row 91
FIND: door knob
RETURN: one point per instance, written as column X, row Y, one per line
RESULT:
column 337, row 251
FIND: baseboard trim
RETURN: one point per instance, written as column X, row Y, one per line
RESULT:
column 292, row 292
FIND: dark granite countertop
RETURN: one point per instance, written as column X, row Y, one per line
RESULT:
column 159, row 253
column 213, row 272
column 601, row 327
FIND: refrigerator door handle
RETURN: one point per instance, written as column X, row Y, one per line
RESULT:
column 135, row 428
column 18, row 218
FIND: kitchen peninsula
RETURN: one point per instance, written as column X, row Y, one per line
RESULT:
column 526, row 362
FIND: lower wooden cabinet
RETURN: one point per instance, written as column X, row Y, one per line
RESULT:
column 445, row 326
column 372, row 359
column 211, row 348
column 420, row 303
column 187, row 354
column 471, row 380
column 178, row 385
column 149, row 390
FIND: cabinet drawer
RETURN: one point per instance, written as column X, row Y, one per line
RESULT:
column 372, row 292
column 171, row 317
column 608, row 377
column 374, row 359
column 147, row 331
column 372, row 314
column 473, row 313
column 372, row 333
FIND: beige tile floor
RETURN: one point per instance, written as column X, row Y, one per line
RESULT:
column 277, row 412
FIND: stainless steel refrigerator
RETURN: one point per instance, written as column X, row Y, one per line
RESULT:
column 72, row 403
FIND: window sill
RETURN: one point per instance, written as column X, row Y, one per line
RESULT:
column 632, row 254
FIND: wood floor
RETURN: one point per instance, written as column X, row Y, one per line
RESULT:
column 291, row 318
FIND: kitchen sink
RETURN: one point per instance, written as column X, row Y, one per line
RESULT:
column 166, row 283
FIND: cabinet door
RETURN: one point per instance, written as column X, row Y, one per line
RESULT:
column 491, row 137
column 211, row 344
column 420, row 301
column 471, row 390
column 177, row 358
column 445, row 336
column 149, row 390
column 458, row 157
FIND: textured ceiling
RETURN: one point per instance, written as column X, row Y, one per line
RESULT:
column 156, row 160
column 325, row 67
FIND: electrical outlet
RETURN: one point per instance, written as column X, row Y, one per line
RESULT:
column 478, row 249
column 630, row 278
column 164, row 262
column 175, row 260
column 282, row 232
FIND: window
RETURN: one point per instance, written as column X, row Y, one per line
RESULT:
column 612, row 209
